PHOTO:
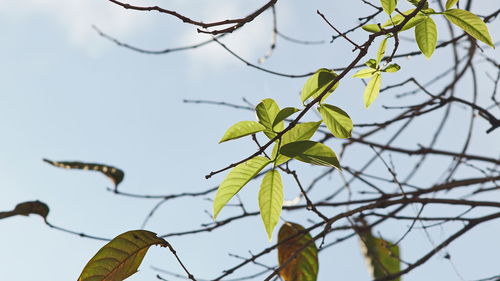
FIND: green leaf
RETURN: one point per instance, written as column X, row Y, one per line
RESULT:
column 283, row 114
column 373, row 28
column 241, row 129
column 389, row 5
column 371, row 63
column 392, row 68
column 381, row 50
column 426, row 37
column 365, row 73
column 304, row 266
column 398, row 19
column 471, row 24
column 238, row 177
column 337, row 121
column 311, row 152
column 372, row 89
column 317, row 83
column 415, row 3
column 114, row 174
column 271, row 200
column 301, row 131
column 450, row 3
column 121, row 257
column 266, row 111
column 383, row 259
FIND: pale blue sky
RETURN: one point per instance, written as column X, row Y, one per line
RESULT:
column 68, row 94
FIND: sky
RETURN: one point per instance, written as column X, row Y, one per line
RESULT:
column 68, row 94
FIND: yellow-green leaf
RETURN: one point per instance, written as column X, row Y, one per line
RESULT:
column 471, row 24
column 389, row 5
column 382, row 257
column 398, row 19
column 426, row 36
column 392, row 68
column 365, row 73
column 450, row 3
column 373, row 28
column 266, row 111
column 304, row 266
column 381, row 50
column 302, row 131
column 271, row 200
column 241, row 129
column 337, row 121
column 238, row 177
column 283, row 114
column 121, row 257
column 311, row 152
column 372, row 89
column 317, row 83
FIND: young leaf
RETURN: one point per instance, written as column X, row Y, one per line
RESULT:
column 266, row 112
column 365, row 73
column 238, row 177
column 27, row 208
column 382, row 259
column 121, row 257
column 415, row 3
column 389, row 5
column 373, row 28
column 304, row 266
column 450, row 3
column 283, row 114
column 426, row 37
column 398, row 19
column 302, row 131
column 371, row 63
column 372, row 89
column 337, row 121
column 241, row 129
column 392, row 68
column 311, row 152
column 471, row 24
column 317, row 83
column 116, row 175
column 381, row 51
column 271, row 200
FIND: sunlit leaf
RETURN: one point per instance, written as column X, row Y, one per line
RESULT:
column 337, row 121
column 283, row 114
column 371, row 63
column 302, row 131
column 241, row 129
column 304, row 266
column 115, row 174
column 311, row 152
column 266, row 112
column 121, row 257
column 373, row 28
column 450, row 3
column 426, row 37
column 392, row 68
column 317, row 83
column 471, row 24
column 381, row 50
column 398, row 19
column 365, row 73
column 382, row 257
column 372, row 89
column 238, row 177
column 28, row 208
column 271, row 200
column 415, row 3
column 389, row 5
